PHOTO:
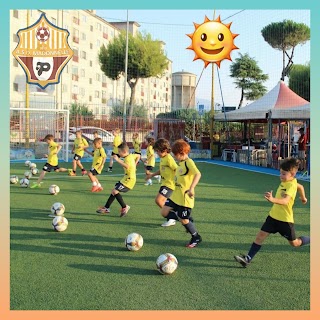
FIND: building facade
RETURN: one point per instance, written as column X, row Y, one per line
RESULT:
column 82, row 80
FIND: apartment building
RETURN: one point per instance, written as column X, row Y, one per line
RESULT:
column 82, row 80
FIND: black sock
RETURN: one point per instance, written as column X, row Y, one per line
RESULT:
column 305, row 240
column 110, row 200
column 172, row 215
column 120, row 200
column 110, row 168
column 253, row 250
column 191, row 228
column 74, row 171
column 83, row 169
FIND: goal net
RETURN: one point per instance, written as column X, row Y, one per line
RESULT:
column 29, row 126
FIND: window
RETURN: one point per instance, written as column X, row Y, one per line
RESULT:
column 90, row 63
column 15, row 38
column 83, row 55
column 104, row 78
column 90, row 80
column 54, row 21
column 15, row 87
column 82, row 91
column 75, row 89
column 15, row 62
column 91, row 28
column 98, row 43
column 75, row 70
column 98, row 76
column 82, row 73
column 98, row 26
column 96, row 94
column 90, row 98
column 103, row 110
column 91, row 45
column 84, row 19
column 15, row 13
column 83, row 36
column 104, row 94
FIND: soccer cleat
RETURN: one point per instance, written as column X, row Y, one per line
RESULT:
column 243, row 260
column 148, row 183
column 170, row 222
column 84, row 172
column 195, row 240
column 94, row 188
column 103, row 210
column 109, row 170
column 36, row 185
column 159, row 179
column 124, row 211
column 99, row 189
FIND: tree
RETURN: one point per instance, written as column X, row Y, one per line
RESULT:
column 139, row 111
column 80, row 109
column 285, row 36
column 249, row 78
column 299, row 80
column 145, row 59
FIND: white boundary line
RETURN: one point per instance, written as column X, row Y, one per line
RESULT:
column 252, row 170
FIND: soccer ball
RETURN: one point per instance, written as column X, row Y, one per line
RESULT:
column 54, row 189
column 14, row 179
column 43, row 34
column 57, row 209
column 34, row 171
column 27, row 163
column 59, row 223
column 28, row 174
column 133, row 242
column 167, row 263
column 24, row 183
column 32, row 165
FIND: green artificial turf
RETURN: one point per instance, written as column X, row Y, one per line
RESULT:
column 87, row 267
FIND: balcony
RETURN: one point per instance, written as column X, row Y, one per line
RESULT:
column 75, row 58
column 75, row 39
column 105, row 35
column 74, row 96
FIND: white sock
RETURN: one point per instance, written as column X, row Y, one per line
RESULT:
column 94, row 183
column 99, row 185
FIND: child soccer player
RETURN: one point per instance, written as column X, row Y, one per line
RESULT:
column 116, row 142
column 136, row 146
column 99, row 158
column 181, row 202
column 150, row 161
column 80, row 144
column 167, row 171
column 52, row 161
column 280, row 218
column 125, row 184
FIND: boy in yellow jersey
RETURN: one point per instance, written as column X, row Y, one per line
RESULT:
column 125, row 184
column 181, row 202
column 52, row 161
column 167, row 171
column 79, row 145
column 99, row 158
column 280, row 218
column 136, row 146
column 116, row 142
column 150, row 162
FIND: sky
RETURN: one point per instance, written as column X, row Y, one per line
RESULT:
column 171, row 26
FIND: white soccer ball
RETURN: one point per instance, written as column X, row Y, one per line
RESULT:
column 58, row 209
column 27, row 163
column 27, row 174
column 133, row 242
column 34, row 171
column 32, row 165
column 14, row 179
column 167, row 263
column 24, row 183
column 60, row 223
column 54, row 189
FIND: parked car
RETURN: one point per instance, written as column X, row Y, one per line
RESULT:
column 87, row 133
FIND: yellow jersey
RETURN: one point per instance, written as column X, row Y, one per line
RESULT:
column 52, row 155
column 78, row 144
column 98, row 155
column 185, row 173
column 151, row 160
column 129, row 179
column 116, row 142
column 168, row 168
column 136, row 145
column 284, row 212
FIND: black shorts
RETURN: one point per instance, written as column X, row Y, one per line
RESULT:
column 112, row 154
column 137, row 153
column 149, row 168
column 120, row 187
column 181, row 211
column 94, row 171
column 286, row 229
column 48, row 167
column 77, row 157
column 165, row 191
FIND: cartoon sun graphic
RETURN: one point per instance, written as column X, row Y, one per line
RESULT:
column 212, row 41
